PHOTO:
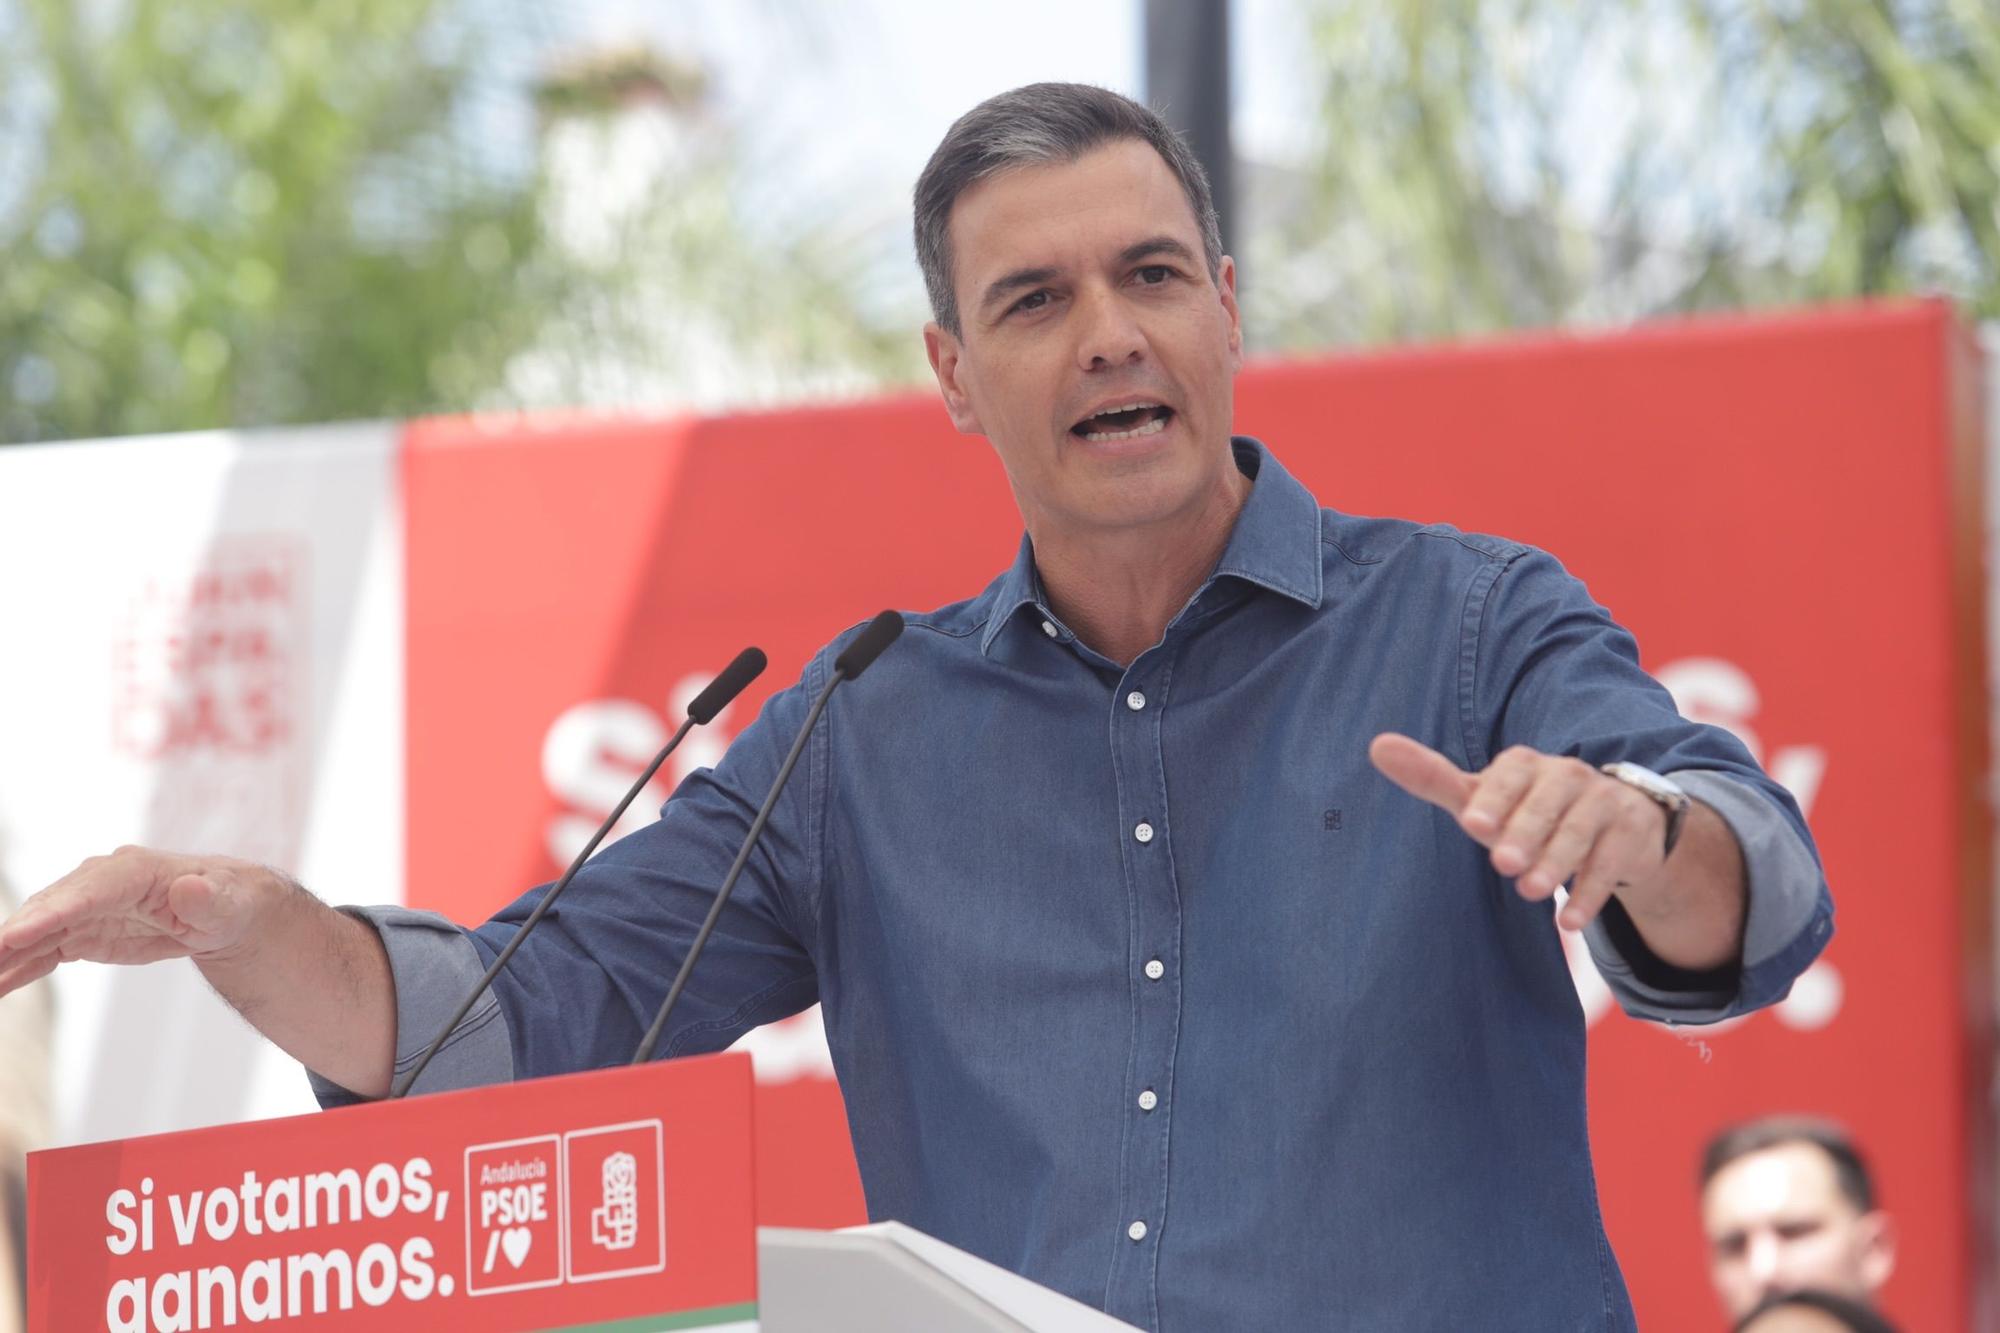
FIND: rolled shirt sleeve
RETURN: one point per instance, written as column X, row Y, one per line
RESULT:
column 580, row 993
column 435, row 966
column 1547, row 667
column 1788, row 919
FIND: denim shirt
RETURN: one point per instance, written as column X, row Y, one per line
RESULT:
column 1141, row 981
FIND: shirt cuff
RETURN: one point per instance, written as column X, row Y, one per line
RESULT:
column 1789, row 919
column 435, row 967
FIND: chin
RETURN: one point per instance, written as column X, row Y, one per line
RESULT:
column 1136, row 500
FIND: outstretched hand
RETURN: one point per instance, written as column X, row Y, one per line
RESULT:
column 1544, row 818
column 133, row 906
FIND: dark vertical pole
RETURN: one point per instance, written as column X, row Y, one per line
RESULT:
column 1187, row 80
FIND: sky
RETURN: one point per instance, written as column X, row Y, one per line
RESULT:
column 853, row 97
column 836, row 108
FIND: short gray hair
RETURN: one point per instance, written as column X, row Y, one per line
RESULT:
column 1038, row 125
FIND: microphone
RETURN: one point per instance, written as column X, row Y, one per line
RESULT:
column 867, row 646
column 745, row 667
column 853, row 660
column 701, row 710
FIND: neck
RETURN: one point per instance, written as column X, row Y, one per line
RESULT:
column 1118, row 589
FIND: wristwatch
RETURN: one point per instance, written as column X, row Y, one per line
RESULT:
column 1662, row 790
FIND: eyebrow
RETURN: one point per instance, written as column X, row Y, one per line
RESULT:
column 1151, row 247
column 1005, row 286
column 1156, row 245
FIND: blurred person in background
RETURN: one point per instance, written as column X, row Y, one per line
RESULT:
column 1787, row 1204
column 24, row 1125
column 1812, row 1312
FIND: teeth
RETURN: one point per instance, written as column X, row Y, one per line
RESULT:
column 1153, row 427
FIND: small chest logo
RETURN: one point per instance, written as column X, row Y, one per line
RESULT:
column 1331, row 819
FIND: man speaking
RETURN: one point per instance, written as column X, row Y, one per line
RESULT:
column 1179, row 905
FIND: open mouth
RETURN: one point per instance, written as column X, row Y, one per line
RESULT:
column 1130, row 422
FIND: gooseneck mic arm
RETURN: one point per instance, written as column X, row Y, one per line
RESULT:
column 853, row 660
column 700, row 711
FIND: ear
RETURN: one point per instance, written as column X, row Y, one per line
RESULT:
column 1878, row 1248
column 944, row 352
column 1225, row 283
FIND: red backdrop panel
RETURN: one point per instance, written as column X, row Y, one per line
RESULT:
column 1770, row 505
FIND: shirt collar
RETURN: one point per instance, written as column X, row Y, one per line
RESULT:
column 1276, row 541
column 1275, row 544
column 1020, row 586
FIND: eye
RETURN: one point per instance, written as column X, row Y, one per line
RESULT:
column 1152, row 275
column 1034, row 300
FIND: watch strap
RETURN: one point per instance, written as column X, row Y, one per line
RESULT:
column 1664, row 792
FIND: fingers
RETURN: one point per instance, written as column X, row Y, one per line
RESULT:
column 43, row 917
column 1422, row 771
column 114, row 909
column 1627, row 848
column 1555, row 827
column 1548, row 819
column 1500, row 787
column 28, row 953
column 24, row 971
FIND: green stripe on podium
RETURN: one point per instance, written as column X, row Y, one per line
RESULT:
column 660, row 1323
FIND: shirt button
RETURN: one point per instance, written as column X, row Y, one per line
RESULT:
column 1144, row 833
column 1155, row 969
column 1135, row 701
column 1137, row 1231
column 1049, row 628
column 1148, row 1100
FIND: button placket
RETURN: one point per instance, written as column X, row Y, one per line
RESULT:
column 1137, row 718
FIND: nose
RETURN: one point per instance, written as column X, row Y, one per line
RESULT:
column 1761, row 1260
column 1107, row 334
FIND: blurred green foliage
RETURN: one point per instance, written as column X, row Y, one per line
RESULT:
column 255, row 212
column 1487, row 164
column 252, row 212
column 217, row 213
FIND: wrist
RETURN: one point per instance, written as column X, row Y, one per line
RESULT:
column 1663, row 792
column 1691, row 915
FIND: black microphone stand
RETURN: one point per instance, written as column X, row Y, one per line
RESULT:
column 740, row 672
column 866, row 647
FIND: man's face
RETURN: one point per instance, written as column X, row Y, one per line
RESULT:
column 1777, row 1221
column 1082, row 288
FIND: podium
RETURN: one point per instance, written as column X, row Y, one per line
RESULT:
column 889, row 1278
column 617, row 1201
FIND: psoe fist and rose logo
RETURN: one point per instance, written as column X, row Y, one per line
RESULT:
column 580, row 1207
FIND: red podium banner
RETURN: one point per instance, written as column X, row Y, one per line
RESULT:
column 569, row 1203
